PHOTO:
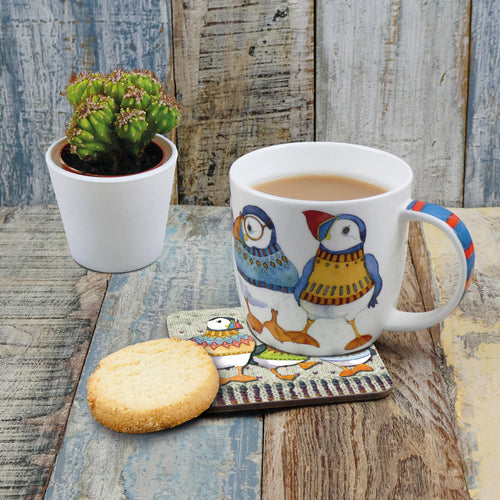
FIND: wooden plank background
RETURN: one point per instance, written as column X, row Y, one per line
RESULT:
column 419, row 79
column 393, row 75
column 380, row 447
column 470, row 341
column 377, row 452
column 209, row 457
column 48, row 311
column 483, row 139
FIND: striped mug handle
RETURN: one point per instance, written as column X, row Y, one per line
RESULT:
column 455, row 229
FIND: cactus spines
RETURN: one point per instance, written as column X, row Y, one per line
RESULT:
column 116, row 84
column 117, row 115
column 147, row 81
column 130, row 127
column 89, row 130
column 82, row 86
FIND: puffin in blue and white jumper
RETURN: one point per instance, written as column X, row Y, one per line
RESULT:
column 340, row 280
column 265, row 273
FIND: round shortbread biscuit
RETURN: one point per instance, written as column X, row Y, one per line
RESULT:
column 152, row 385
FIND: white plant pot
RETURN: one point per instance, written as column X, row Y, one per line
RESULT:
column 114, row 224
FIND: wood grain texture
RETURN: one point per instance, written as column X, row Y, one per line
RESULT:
column 393, row 75
column 42, row 43
column 402, row 446
column 482, row 174
column 471, row 344
column 210, row 457
column 244, row 75
column 48, row 310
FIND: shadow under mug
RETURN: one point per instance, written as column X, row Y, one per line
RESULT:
column 322, row 278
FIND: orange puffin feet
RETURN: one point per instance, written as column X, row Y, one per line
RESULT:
column 253, row 321
column 241, row 377
column 358, row 342
column 279, row 333
column 347, row 372
column 309, row 364
column 302, row 338
column 283, row 377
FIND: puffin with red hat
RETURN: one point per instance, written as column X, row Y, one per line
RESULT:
column 340, row 280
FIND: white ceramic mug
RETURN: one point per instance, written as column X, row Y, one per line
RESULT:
column 305, row 290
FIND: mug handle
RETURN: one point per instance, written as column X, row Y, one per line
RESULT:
column 455, row 229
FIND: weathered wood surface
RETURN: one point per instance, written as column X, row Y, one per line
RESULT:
column 409, row 445
column 42, row 43
column 211, row 457
column 48, row 310
column 402, row 446
column 482, row 180
column 244, row 74
column 393, row 75
column 471, row 343
column 396, row 74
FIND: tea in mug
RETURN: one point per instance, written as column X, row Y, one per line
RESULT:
column 321, row 187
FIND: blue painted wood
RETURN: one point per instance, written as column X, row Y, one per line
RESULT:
column 41, row 43
column 210, row 457
column 482, row 172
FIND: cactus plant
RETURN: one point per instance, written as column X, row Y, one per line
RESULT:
column 116, row 116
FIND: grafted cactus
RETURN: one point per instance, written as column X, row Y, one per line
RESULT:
column 117, row 115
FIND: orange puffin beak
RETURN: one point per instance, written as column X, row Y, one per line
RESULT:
column 236, row 228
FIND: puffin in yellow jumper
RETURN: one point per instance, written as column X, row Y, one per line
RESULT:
column 340, row 280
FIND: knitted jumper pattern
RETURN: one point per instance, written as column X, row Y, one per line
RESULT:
column 217, row 342
column 266, row 268
column 337, row 279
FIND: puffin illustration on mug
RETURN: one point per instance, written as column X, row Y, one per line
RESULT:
column 339, row 281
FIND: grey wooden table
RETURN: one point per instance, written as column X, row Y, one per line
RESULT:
column 58, row 320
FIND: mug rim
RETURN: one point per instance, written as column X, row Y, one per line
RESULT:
column 237, row 166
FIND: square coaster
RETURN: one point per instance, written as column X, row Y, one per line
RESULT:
column 254, row 375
